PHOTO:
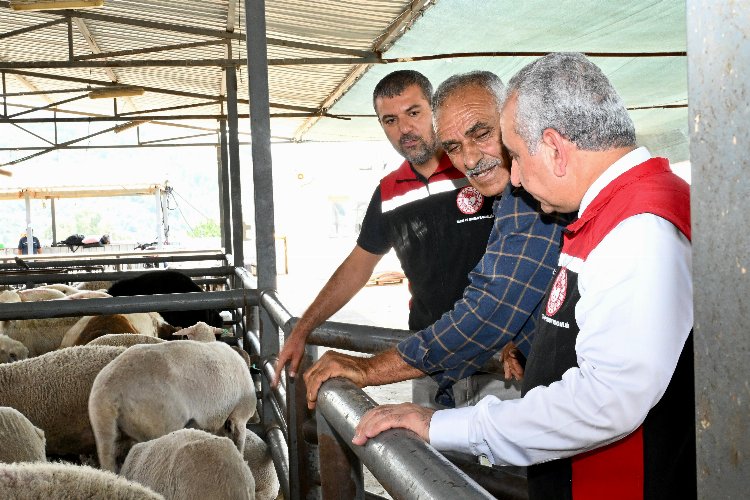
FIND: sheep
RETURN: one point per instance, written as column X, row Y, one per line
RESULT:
column 62, row 287
column 94, row 285
column 88, row 294
column 90, row 327
column 38, row 294
column 200, row 332
column 11, row 350
column 32, row 481
column 258, row 458
column 52, row 390
column 125, row 339
column 22, row 441
column 165, row 282
column 190, row 464
column 9, row 296
column 152, row 390
column 40, row 336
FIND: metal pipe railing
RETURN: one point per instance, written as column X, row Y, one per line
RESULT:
column 279, row 314
column 280, row 456
column 406, row 466
column 137, row 303
column 111, row 260
column 23, row 277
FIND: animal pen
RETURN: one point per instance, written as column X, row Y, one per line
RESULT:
column 48, row 52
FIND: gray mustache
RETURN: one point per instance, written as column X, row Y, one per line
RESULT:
column 484, row 165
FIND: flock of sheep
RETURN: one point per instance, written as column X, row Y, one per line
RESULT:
column 162, row 419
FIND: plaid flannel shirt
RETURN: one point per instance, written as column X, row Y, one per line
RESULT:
column 502, row 300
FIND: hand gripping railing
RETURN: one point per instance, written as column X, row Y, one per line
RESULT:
column 406, row 466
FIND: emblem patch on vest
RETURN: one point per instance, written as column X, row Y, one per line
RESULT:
column 557, row 295
column 469, row 200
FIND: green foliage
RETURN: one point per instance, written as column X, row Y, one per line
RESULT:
column 206, row 229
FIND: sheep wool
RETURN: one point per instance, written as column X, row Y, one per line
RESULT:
column 152, row 390
column 40, row 336
column 32, row 481
column 21, row 440
column 125, row 339
column 11, row 350
column 52, row 391
column 258, row 458
column 190, row 464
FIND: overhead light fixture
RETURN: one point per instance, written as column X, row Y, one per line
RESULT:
column 54, row 4
column 110, row 92
column 128, row 125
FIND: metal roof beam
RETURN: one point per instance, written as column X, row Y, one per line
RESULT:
column 193, row 30
column 396, row 29
column 29, row 29
column 51, row 105
column 149, row 50
column 218, row 99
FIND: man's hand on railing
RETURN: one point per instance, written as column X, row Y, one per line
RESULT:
column 402, row 416
column 334, row 364
column 292, row 354
column 511, row 366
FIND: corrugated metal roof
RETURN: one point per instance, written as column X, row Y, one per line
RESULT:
column 123, row 25
column 190, row 78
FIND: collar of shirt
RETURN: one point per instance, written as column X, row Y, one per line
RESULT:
column 445, row 169
column 630, row 160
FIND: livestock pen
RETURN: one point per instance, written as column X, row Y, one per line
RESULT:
column 682, row 66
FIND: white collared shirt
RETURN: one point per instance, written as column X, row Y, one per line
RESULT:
column 635, row 314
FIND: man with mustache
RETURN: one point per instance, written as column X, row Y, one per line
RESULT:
column 501, row 303
column 426, row 210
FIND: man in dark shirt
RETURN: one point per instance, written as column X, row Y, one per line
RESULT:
column 23, row 245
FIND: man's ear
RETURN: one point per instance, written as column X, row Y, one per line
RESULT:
column 557, row 147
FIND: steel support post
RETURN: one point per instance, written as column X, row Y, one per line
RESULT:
column 235, row 184
column 54, row 221
column 341, row 474
column 29, row 230
column 225, row 210
column 260, row 129
column 719, row 113
column 159, row 238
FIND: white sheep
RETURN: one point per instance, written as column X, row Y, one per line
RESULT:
column 88, row 294
column 152, row 390
column 258, row 458
column 190, row 464
column 38, row 335
column 39, row 294
column 94, row 285
column 9, row 296
column 90, row 327
column 11, row 350
column 21, row 440
column 200, row 332
column 126, row 339
column 52, row 391
column 62, row 287
column 32, row 481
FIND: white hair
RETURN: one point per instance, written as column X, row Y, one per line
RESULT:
column 482, row 79
column 570, row 94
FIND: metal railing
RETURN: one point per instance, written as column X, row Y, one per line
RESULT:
column 406, row 466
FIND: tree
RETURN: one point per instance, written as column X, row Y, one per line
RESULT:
column 207, row 229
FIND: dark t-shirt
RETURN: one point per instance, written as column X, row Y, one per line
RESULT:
column 438, row 228
column 22, row 245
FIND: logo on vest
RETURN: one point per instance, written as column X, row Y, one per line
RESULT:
column 557, row 295
column 469, row 200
